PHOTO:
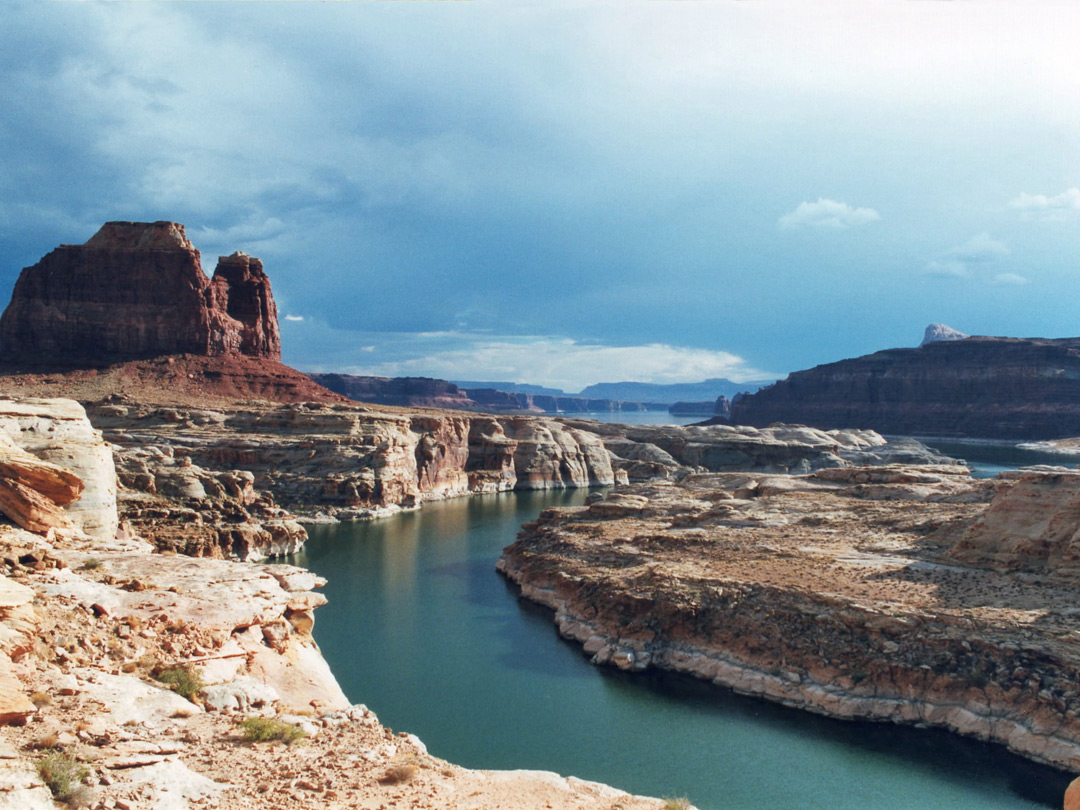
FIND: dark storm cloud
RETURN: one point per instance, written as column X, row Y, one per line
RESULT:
column 558, row 174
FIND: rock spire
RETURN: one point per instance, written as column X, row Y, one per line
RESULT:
column 137, row 290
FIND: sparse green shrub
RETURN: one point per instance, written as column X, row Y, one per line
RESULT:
column 92, row 564
column 676, row 803
column 63, row 774
column 979, row 678
column 183, row 680
column 266, row 729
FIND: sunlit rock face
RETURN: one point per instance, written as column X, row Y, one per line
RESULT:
column 136, row 290
column 1031, row 525
column 68, row 450
column 937, row 332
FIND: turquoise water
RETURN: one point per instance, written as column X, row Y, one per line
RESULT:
column 987, row 457
column 421, row 628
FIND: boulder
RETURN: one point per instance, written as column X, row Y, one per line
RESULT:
column 56, row 470
column 1031, row 524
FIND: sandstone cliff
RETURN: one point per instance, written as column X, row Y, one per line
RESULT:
column 93, row 629
column 186, row 380
column 847, row 592
column 57, row 432
column 228, row 470
column 136, row 290
column 991, row 387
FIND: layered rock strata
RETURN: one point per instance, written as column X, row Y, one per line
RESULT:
column 351, row 461
column 136, row 290
column 848, row 592
column 58, row 436
column 184, row 379
column 989, row 387
column 1032, row 525
column 93, row 629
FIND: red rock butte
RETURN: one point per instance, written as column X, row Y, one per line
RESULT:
column 133, row 291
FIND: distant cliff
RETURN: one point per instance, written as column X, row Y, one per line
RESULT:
column 490, row 399
column 426, row 392
column 721, row 407
column 404, row 391
column 987, row 387
column 133, row 291
column 670, row 393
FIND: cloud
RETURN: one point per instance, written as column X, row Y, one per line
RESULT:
column 294, row 317
column 1040, row 206
column 956, row 262
column 978, row 249
column 947, row 268
column 1009, row 279
column 541, row 359
column 828, row 214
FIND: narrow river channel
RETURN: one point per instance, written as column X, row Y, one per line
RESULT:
column 422, row 629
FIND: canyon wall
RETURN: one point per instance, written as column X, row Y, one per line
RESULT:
column 990, row 387
column 127, row 672
column 352, row 461
column 136, row 290
column 868, row 593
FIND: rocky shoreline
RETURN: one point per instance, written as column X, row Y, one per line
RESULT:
column 878, row 594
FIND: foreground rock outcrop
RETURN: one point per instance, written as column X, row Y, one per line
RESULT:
column 95, row 629
column 56, row 434
column 988, row 387
column 136, row 290
column 892, row 593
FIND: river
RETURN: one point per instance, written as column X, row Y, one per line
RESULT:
column 421, row 629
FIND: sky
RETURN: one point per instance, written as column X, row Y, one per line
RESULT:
column 565, row 193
